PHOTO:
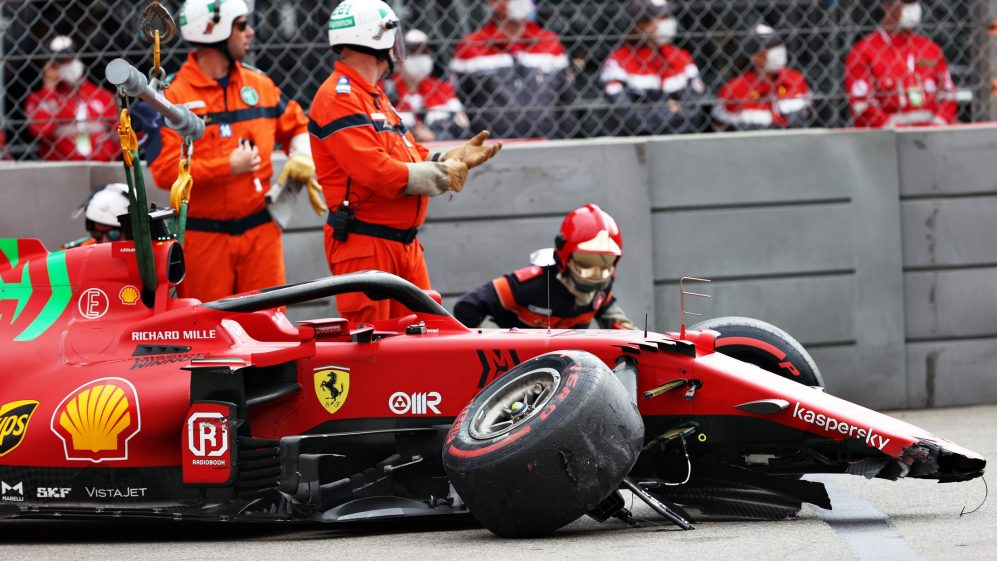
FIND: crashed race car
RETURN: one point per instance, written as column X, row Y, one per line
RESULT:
column 123, row 401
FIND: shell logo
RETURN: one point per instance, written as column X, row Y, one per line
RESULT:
column 129, row 295
column 96, row 420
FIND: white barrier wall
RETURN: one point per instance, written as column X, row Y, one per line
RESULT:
column 876, row 249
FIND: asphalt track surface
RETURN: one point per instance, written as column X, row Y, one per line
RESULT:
column 871, row 520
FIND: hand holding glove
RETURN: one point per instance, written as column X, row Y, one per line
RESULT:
column 474, row 153
column 315, row 197
column 299, row 170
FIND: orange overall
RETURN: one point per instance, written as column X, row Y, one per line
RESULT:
column 231, row 245
column 360, row 148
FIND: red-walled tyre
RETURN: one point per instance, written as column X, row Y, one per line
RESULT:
column 764, row 345
column 544, row 444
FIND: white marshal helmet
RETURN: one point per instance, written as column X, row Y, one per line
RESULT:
column 210, row 21
column 371, row 24
column 105, row 205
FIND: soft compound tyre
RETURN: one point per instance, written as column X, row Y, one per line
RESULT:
column 544, row 444
column 764, row 345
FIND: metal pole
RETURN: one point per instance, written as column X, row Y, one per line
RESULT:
column 133, row 83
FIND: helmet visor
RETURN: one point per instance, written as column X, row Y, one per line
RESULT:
column 393, row 26
column 592, row 267
column 399, row 48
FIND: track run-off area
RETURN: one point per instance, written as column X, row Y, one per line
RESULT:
column 871, row 520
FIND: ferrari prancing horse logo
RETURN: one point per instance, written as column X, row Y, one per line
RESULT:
column 332, row 385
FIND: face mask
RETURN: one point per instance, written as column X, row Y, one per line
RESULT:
column 417, row 67
column 910, row 16
column 519, row 10
column 71, row 73
column 666, row 30
column 775, row 59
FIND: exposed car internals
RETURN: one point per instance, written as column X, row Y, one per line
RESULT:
column 125, row 400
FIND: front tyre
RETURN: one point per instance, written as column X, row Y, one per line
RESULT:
column 764, row 345
column 544, row 444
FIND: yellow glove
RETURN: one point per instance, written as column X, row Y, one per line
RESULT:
column 475, row 153
column 315, row 197
column 299, row 168
column 457, row 172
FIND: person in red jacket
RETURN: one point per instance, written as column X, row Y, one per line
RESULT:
column 769, row 95
column 896, row 77
column 374, row 174
column 232, row 243
column 72, row 118
column 4, row 153
column 427, row 105
column 653, row 86
column 514, row 76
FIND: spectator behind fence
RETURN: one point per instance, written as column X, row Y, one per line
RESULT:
column 427, row 105
column 72, row 118
column 769, row 95
column 232, row 243
column 896, row 77
column 514, row 76
column 4, row 151
column 653, row 86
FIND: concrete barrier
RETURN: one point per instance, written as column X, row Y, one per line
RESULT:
column 874, row 248
column 948, row 198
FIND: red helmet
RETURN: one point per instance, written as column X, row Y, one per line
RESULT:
column 589, row 229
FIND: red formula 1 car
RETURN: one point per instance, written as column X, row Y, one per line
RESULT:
column 123, row 400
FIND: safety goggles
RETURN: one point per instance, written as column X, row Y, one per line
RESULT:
column 110, row 235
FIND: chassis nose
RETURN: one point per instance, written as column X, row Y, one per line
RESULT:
column 942, row 460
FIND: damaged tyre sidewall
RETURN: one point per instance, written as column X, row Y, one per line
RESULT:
column 554, row 465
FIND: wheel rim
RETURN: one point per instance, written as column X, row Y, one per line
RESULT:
column 515, row 403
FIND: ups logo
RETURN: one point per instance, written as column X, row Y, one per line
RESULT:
column 14, row 418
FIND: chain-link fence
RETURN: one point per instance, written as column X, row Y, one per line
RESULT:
column 593, row 78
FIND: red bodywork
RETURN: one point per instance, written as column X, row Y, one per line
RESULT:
column 112, row 377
